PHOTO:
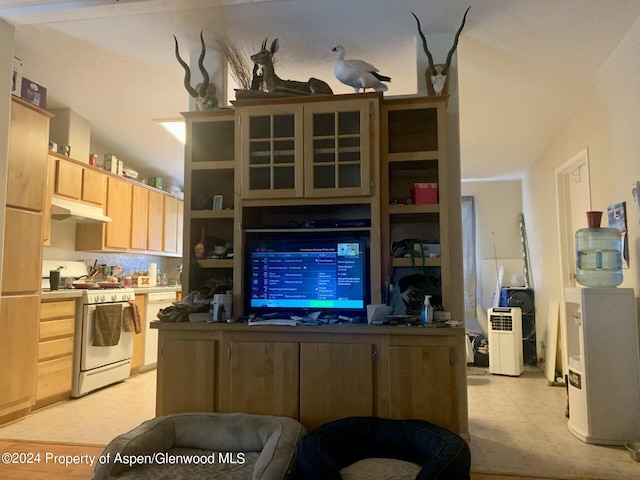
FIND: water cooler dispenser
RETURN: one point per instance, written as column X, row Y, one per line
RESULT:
column 602, row 348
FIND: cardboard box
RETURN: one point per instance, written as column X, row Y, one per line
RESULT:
column 156, row 182
column 424, row 193
column 16, row 79
column 141, row 281
column 33, row 93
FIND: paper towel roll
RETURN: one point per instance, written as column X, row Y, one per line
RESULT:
column 153, row 273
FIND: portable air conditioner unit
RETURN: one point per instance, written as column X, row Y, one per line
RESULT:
column 505, row 341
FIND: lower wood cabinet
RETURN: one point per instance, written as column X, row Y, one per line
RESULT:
column 55, row 351
column 314, row 374
column 137, row 358
column 18, row 352
column 336, row 381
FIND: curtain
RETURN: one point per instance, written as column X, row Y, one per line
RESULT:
column 469, row 255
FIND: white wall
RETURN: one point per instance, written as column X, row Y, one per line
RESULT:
column 607, row 122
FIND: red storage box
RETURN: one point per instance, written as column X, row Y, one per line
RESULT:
column 424, row 193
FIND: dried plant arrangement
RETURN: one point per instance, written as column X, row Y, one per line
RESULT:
column 241, row 68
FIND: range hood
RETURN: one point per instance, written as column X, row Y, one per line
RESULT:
column 68, row 210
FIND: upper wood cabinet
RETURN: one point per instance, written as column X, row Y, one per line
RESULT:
column 156, row 221
column 170, row 225
column 77, row 182
column 119, row 197
column 139, row 217
column 316, row 149
column 22, row 258
column 27, row 156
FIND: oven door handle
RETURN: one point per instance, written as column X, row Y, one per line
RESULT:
column 92, row 308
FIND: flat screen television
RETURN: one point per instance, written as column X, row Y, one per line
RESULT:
column 302, row 272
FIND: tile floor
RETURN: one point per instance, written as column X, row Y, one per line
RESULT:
column 517, row 426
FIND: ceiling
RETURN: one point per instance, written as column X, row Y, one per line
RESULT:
column 522, row 64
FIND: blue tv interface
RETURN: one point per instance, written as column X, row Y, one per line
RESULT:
column 308, row 274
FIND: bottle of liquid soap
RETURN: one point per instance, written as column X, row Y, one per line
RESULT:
column 426, row 316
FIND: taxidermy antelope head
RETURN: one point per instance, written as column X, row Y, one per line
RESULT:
column 439, row 73
column 273, row 83
column 205, row 92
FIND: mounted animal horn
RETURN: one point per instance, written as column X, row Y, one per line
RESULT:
column 438, row 73
column 204, row 92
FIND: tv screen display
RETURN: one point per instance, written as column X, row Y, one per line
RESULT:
column 309, row 274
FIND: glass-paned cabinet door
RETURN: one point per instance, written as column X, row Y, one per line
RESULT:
column 337, row 149
column 271, row 146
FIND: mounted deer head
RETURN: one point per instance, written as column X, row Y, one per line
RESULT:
column 439, row 73
column 273, row 83
column 205, row 92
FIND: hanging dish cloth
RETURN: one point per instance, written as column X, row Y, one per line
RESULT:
column 131, row 319
column 107, row 325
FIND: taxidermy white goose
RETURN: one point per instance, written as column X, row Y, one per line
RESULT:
column 357, row 73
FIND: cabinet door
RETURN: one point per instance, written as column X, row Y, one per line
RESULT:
column 46, row 213
column 27, row 157
column 422, row 385
column 118, row 232
column 272, row 152
column 18, row 351
column 180, row 229
column 186, row 376
column 156, row 216
column 94, row 186
column 337, row 148
column 22, row 256
column 170, row 225
column 264, row 378
column 68, row 179
column 139, row 217
column 137, row 359
column 336, row 381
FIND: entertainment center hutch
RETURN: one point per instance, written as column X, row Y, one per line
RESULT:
column 307, row 166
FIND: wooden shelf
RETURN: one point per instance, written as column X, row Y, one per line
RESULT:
column 413, row 209
column 223, row 165
column 416, row 262
column 413, row 156
column 229, row 213
column 216, row 263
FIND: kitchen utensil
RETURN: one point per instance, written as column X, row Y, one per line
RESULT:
column 84, row 284
column 110, row 284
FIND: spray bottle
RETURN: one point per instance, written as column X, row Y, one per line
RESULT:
column 426, row 316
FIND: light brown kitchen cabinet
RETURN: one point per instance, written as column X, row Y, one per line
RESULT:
column 68, row 179
column 18, row 352
column 265, row 370
column 55, row 351
column 170, row 225
column 319, row 148
column 75, row 181
column 139, row 217
column 194, row 376
column 94, row 186
column 46, row 213
column 22, row 259
column 336, row 381
column 118, row 231
column 314, row 373
column 27, row 156
column 156, row 221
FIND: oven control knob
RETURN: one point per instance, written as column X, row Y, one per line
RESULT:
column 114, row 297
column 102, row 298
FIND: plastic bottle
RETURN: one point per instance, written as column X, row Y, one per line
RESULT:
column 598, row 254
column 426, row 316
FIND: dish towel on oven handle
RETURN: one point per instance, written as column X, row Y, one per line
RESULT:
column 131, row 319
column 107, row 325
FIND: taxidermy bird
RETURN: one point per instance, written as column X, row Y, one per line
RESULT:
column 357, row 74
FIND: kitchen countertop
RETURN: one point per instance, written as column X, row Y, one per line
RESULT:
column 71, row 293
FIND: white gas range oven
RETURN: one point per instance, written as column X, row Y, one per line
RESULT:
column 94, row 367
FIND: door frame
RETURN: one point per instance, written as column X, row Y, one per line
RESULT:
column 563, row 175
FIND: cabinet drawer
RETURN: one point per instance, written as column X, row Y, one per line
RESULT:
column 55, row 348
column 56, row 328
column 65, row 308
column 54, row 377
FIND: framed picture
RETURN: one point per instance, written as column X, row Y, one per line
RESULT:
column 217, row 202
column 617, row 215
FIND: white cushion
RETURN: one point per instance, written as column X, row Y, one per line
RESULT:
column 380, row 469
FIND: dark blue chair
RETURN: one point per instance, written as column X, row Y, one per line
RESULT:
column 328, row 449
